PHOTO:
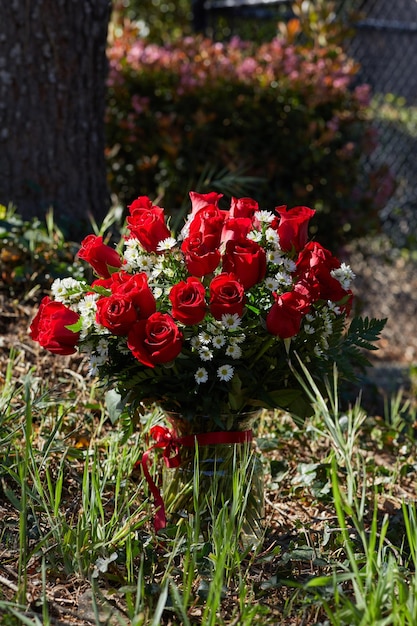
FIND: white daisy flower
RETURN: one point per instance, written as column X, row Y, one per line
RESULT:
column 284, row 279
column 255, row 235
column 204, row 337
column 272, row 237
column 274, row 256
column 264, row 217
column 271, row 283
column 93, row 366
column 289, row 265
column 157, row 292
column 334, row 308
column 234, row 351
column 218, row 341
column 66, row 290
column 195, row 343
column 205, row 353
column 225, row 372
column 201, row 375
column 309, row 330
column 146, row 263
column 344, row 275
column 166, row 244
column 231, row 321
column 236, row 340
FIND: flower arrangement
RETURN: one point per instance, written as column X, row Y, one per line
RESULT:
column 207, row 322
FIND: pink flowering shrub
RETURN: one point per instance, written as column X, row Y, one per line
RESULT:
column 286, row 114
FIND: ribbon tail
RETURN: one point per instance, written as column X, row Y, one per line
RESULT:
column 160, row 520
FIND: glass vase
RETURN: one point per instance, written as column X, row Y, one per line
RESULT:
column 216, row 477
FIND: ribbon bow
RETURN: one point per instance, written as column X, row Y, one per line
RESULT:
column 170, row 444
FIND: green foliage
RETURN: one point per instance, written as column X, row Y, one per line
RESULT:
column 76, row 536
column 33, row 253
column 160, row 20
column 285, row 114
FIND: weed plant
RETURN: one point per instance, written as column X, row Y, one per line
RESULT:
column 77, row 544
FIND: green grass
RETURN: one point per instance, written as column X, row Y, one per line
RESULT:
column 77, row 544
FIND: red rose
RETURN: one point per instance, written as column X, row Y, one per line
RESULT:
column 117, row 313
column 243, row 207
column 136, row 289
column 284, row 317
column 201, row 200
column 48, row 327
column 155, row 340
column 293, row 227
column 235, row 228
column 208, row 224
column 199, row 259
column 314, row 265
column 227, row 295
column 102, row 282
column 147, row 223
column 247, row 260
column 102, row 258
column 188, row 301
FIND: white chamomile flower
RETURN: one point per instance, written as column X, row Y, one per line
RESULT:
column 234, row 351
column 255, row 235
column 289, row 265
column 309, row 330
column 309, row 317
column 102, row 348
column 204, row 337
column 271, row 283
column 231, row 320
column 264, row 217
column 195, row 343
column 218, row 341
column 205, row 353
column 334, row 308
column 284, row 279
column 92, row 368
column 344, row 275
column 201, row 375
column 274, row 256
column 225, row 372
column 131, row 258
column 166, row 244
column 100, row 330
column 236, row 340
column 272, row 237
column 66, row 290
column 88, row 305
column 214, row 329
column 146, row 263
column 157, row 292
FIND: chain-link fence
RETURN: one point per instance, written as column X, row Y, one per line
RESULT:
column 385, row 45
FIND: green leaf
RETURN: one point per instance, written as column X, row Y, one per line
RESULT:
column 75, row 328
column 114, row 405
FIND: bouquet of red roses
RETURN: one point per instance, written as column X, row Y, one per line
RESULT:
column 207, row 321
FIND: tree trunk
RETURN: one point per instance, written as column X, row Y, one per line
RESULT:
column 52, row 102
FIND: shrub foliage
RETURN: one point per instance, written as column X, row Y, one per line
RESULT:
column 285, row 114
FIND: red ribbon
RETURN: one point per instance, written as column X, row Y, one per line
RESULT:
column 170, row 444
